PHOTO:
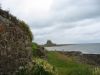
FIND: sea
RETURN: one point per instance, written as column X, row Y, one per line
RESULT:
column 93, row 48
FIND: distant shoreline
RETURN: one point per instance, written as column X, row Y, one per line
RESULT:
column 84, row 48
column 58, row 45
column 67, row 44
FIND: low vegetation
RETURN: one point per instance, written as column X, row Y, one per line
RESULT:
column 34, row 50
column 38, row 51
column 64, row 65
column 42, row 67
column 68, row 66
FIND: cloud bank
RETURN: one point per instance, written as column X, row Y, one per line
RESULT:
column 62, row 21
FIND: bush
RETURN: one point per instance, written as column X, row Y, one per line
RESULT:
column 42, row 67
column 35, row 50
column 38, row 51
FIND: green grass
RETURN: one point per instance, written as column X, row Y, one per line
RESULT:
column 67, row 65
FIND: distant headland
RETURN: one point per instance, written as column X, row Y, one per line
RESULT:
column 49, row 43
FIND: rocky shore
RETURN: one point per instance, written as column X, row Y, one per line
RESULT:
column 91, row 59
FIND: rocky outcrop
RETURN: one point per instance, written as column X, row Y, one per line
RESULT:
column 91, row 59
column 15, row 45
column 71, row 53
column 49, row 43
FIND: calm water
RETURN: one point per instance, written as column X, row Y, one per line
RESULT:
column 84, row 48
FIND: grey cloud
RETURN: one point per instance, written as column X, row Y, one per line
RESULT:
column 76, row 10
column 69, row 21
column 79, row 34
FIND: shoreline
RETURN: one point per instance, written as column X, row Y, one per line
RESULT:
column 67, row 44
column 91, row 59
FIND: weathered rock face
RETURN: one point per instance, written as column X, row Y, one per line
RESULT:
column 15, row 47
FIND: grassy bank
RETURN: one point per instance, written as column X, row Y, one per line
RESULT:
column 68, row 66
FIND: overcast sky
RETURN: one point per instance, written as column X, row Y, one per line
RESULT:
column 62, row 21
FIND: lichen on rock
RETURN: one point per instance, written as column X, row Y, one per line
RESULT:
column 15, row 44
